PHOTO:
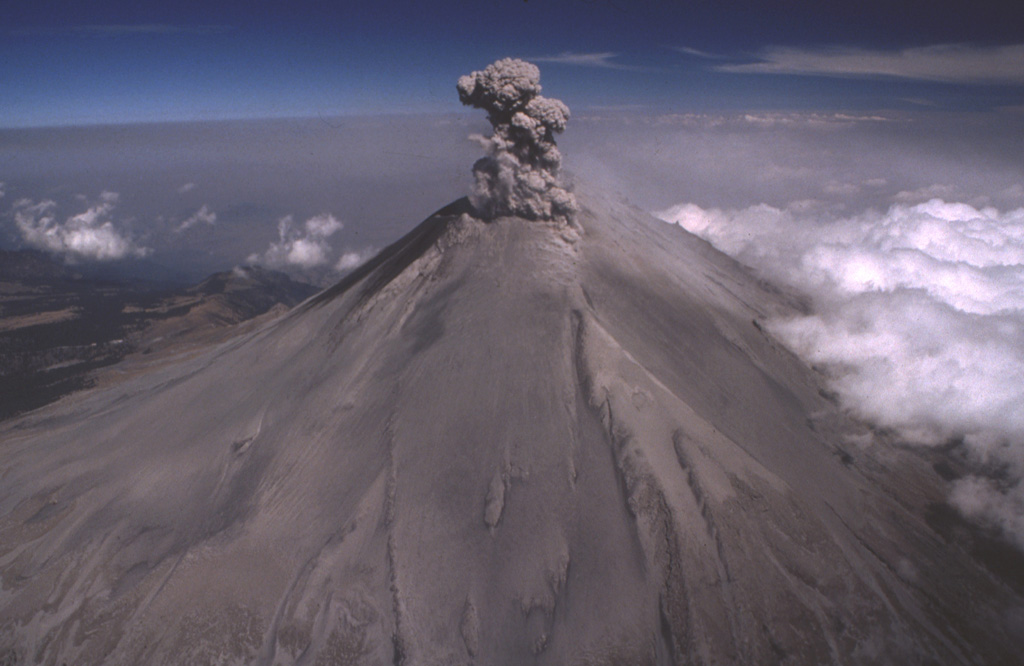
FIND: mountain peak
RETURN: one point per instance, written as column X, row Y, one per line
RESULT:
column 496, row 442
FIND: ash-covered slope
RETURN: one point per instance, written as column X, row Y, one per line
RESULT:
column 496, row 443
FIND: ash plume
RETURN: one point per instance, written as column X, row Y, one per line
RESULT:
column 520, row 174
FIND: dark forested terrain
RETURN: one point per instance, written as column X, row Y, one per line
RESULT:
column 58, row 326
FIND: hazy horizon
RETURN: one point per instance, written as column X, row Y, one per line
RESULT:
column 205, row 196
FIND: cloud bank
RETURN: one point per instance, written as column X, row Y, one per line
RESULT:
column 302, row 247
column 918, row 317
column 950, row 63
column 90, row 235
column 520, row 174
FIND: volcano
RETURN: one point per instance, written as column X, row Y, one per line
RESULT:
column 500, row 442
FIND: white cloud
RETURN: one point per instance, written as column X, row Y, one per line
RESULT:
column 187, row 187
column 353, row 259
column 603, row 60
column 3, row 190
column 306, row 252
column 697, row 52
column 204, row 215
column 88, row 235
column 765, row 119
column 983, row 501
column 303, row 248
column 918, row 317
column 322, row 226
column 951, row 63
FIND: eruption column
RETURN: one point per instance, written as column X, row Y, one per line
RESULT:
column 519, row 175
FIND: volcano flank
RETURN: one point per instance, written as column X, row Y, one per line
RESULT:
column 501, row 441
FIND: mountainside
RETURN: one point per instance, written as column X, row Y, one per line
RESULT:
column 496, row 443
column 200, row 314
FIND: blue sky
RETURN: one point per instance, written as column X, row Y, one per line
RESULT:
column 64, row 63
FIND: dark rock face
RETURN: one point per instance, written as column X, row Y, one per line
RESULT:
column 495, row 443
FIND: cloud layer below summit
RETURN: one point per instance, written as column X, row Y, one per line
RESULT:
column 917, row 318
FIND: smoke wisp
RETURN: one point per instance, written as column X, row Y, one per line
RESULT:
column 520, row 173
column 918, row 314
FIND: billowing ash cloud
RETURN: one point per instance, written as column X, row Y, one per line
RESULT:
column 88, row 235
column 304, row 247
column 203, row 215
column 918, row 313
column 520, row 174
